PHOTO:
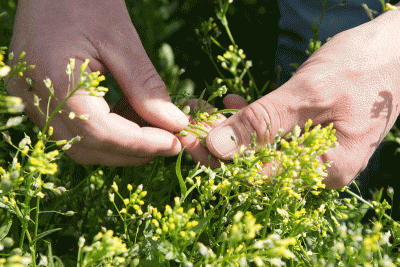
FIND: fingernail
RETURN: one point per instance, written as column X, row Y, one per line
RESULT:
column 220, row 141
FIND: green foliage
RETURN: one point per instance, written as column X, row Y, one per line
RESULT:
column 266, row 207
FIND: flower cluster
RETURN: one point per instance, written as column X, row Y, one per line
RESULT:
column 89, row 82
column 11, row 104
column 4, row 69
column 357, row 246
column 208, row 32
column 105, row 248
column 240, row 244
column 135, row 200
column 176, row 224
column 231, row 59
column 16, row 261
column 41, row 161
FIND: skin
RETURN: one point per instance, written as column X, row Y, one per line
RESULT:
column 51, row 32
column 352, row 81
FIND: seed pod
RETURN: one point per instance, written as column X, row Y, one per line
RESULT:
column 186, row 110
column 6, row 185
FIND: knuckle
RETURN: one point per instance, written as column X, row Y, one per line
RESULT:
column 256, row 118
column 149, row 77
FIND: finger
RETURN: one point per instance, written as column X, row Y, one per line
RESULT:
column 198, row 151
column 284, row 108
column 192, row 143
column 341, row 173
column 103, row 131
column 84, row 155
column 124, row 109
column 225, row 140
column 110, row 132
column 234, row 101
column 140, row 83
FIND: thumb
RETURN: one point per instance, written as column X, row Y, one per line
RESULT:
column 141, row 84
column 273, row 109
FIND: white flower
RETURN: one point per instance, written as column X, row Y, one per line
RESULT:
column 277, row 262
column 81, row 241
column 4, row 71
column 258, row 261
column 283, row 213
column 385, row 239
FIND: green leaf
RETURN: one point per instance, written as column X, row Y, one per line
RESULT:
column 169, row 251
column 54, row 261
column 182, row 183
column 58, row 262
column 5, row 228
column 7, row 206
column 40, row 236
column 49, row 254
column 201, row 99
column 295, row 65
column 195, row 171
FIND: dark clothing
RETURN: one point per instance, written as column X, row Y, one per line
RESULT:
column 296, row 28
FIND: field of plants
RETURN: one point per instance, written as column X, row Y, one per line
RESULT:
column 173, row 211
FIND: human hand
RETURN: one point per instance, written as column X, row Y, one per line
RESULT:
column 193, row 144
column 51, row 32
column 352, row 81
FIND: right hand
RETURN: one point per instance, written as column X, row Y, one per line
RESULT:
column 51, row 32
column 351, row 81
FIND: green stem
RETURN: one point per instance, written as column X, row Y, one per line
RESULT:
column 217, row 43
column 253, row 81
column 224, row 22
column 57, row 109
column 36, row 220
column 304, row 253
column 347, row 190
column 198, row 128
column 222, row 76
column 25, row 212
column 224, row 111
column 10, row 78
column 195, row 133
column 79, row 257
column 264, row 232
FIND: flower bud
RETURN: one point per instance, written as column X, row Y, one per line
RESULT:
column 84, row 66
column 4, row 71
column 186, row 110
column 7, row 242
column 81, row 242
column 6, row 185
column 21, row 57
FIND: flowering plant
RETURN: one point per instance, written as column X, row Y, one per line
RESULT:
column 268, row 206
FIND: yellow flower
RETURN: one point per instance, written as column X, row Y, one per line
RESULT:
column 115, row 186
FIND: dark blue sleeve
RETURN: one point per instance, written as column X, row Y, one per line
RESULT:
column 296, row 30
